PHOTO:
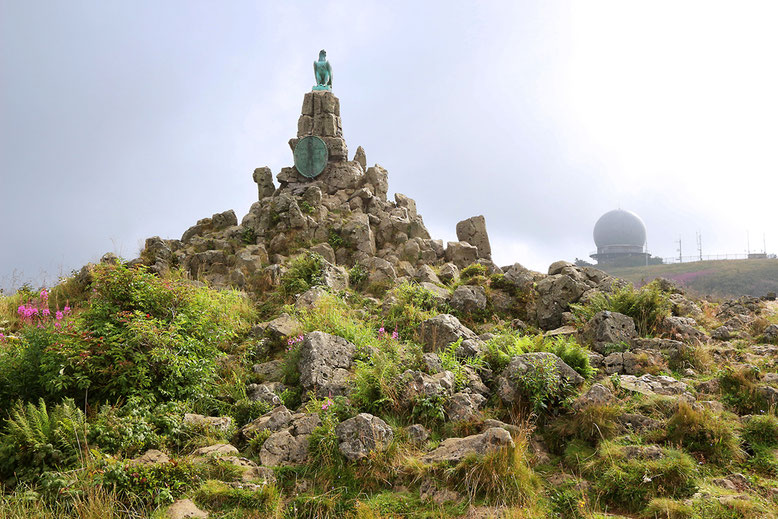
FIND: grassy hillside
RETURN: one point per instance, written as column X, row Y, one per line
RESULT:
column 724, row 278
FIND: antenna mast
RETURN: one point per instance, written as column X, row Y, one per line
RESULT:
column 699, row 244
column 680, row 251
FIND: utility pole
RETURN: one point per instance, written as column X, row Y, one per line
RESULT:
column 748, row 244
column 699, row 244
column 680, row 251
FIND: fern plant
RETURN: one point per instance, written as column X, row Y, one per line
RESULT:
column 38, row 439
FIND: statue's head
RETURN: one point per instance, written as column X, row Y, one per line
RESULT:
column 322, row 55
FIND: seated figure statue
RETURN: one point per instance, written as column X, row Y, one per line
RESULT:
column 323, row 72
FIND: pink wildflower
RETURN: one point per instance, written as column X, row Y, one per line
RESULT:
column 44, row 294
column 58, row 315
column 66, row 310
column 46, row 312
column 395, row 335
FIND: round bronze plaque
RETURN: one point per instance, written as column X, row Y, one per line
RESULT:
column 310, row 156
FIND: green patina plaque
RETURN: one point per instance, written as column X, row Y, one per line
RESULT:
column 310, row 156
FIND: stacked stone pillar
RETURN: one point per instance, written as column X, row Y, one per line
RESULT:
column 321, row 117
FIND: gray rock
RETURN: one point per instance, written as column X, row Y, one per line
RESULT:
column 527, row 362
column 461, row 253
column 521, row 278
column 360, row 157
column 555, row 293
column 454, row 450
column 185, row 509
column 308, row 299
column 274, row 420
column 470, row 348
column 469, row 299
column 596, row 395
column 418, row 384
column 770, row 333
column 432, row 363
column 289, row 445
column 464, row 406
column 377, row 177
column 270, row 371
column 438, row 332
column 473, row 231
column 722, row 333
column 266, row 393
column 251, row 258
column 449, row 273
column 683, row 328
column 324, row 363
column 216, row 450
column 151, row 457
column 440, row 294
column 425, row 274
column 325, row 251
column 654, row 384
column 282, row 326
column 362, row 434
column 557, row 266
column 334, row 277
column 418, row 434
column 608, row 328
column 638, row 423
column 379, row 270
column 264, row 179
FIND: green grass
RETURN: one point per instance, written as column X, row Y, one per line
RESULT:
column 724, row 278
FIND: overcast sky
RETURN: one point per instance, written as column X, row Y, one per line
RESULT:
column 124, row 120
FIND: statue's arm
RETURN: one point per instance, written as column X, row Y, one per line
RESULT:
column 329, row 69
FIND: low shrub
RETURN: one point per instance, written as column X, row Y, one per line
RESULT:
column 412, row 305
column 630, row 482
column 739, row 389
column 701, row 432
column 304, row 272
column 503, row 347
column 501, row 478
column 592, row 424
column 761, row 430
column 218, row 496
column 647, row 306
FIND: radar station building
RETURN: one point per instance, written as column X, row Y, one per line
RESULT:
column 620, row 237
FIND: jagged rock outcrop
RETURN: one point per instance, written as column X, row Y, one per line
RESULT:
column 454, row 450
column 324, row 363
column 473, row 231
column 361, row 435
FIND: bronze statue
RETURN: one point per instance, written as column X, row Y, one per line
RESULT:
column 323, row 72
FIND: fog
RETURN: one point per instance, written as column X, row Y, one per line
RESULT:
column 126, row 120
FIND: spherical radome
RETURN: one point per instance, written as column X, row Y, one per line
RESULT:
column 619, row 227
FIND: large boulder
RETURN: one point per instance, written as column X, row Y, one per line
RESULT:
column 469, row 299
column 473, row 231
column 324, row 363
column 438, row 332
column 464, row 406
column 608, row 328
column 461, row 253
column 421, row 385
column 454, row 450
column 528, row 362
column 289, row 445
column 362, row 434
column 555, row 293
